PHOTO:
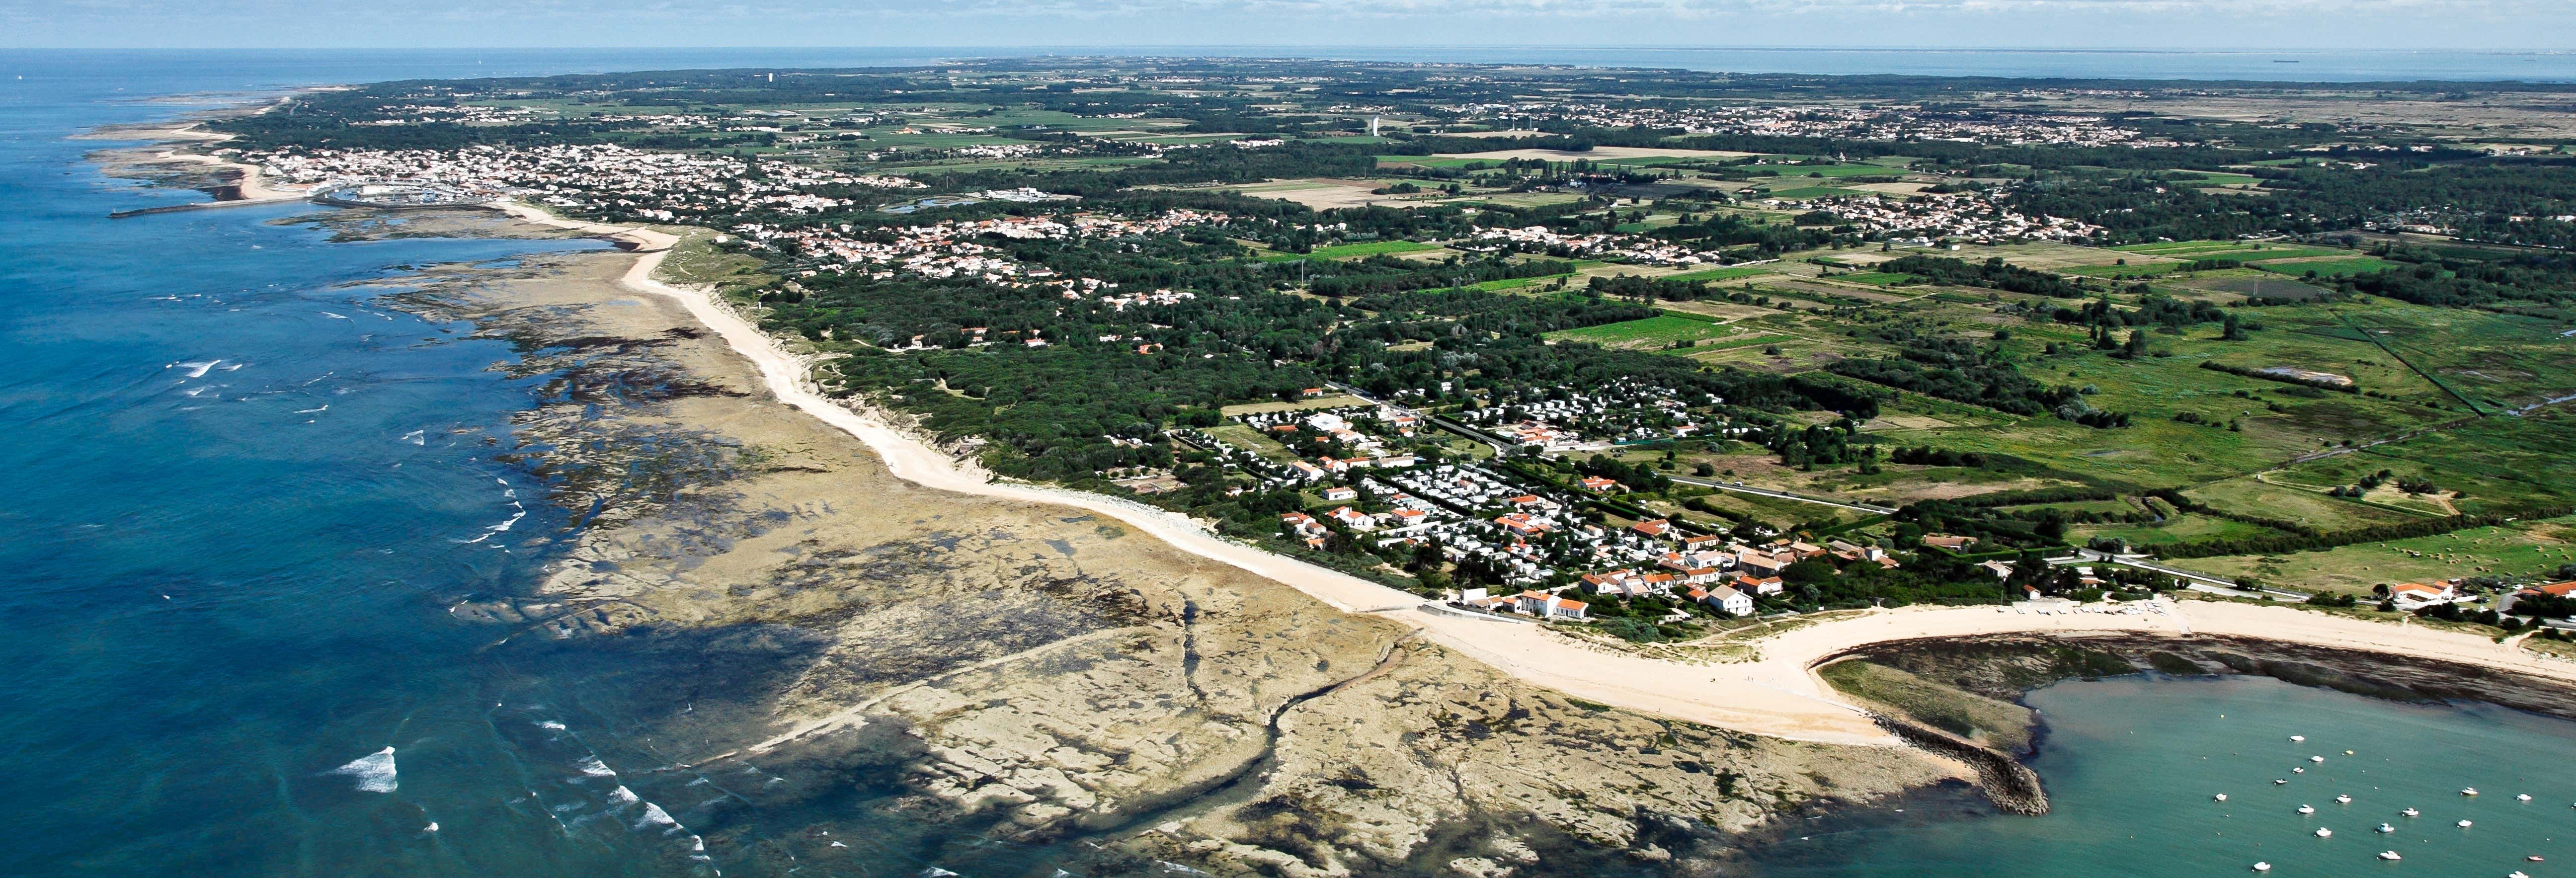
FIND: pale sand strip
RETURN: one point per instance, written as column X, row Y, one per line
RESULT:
column 1776, row 694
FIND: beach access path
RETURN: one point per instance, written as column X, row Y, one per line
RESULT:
column 1770, row 687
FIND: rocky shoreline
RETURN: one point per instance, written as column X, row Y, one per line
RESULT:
column 1031, row 675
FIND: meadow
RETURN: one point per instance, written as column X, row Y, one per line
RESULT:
column 1653, row 332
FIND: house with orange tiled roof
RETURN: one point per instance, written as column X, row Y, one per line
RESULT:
column 2417, row 595
column 1655, row 529
column 1302, row 524
column 2554, row 589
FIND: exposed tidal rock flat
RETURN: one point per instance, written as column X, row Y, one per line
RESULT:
column 851, row 654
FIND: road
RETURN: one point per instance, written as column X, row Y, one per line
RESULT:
column 1784, row 495
column 2200, row 582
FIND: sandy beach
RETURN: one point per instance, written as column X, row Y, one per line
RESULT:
column 178, row 144
column 1776, row 692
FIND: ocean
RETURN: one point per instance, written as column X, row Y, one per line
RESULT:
column 239, row 495
column 2133, row 766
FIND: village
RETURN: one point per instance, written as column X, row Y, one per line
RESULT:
column 1826, row 121
column 1918, row 220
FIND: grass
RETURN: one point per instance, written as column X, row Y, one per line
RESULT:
column 2521, row 548
column 1878, row 278
column 2220, row 178
column 1746, row 342
column 1659, row 331
column 2187, row 529
column 1806, row 192
column 1347, row 251
column 1718, row 274
column 1329, row 400
column 1514, row 283
column 1249, row 439
column 2238, row 250
column 2121, row 272
column 2331, row 267
column 2308, row 505
column 696, row 261
column 2002, row 725
column 1792, row 172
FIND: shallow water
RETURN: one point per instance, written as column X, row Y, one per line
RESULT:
column 2132, row 764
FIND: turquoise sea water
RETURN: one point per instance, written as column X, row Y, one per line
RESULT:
column 237, row 496
column 2131, row 765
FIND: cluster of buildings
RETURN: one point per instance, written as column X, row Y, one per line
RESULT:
column 1556, row 560
column 951, row 248
column 1622, row 411
column 666, row 185
column 1875, row 122
column 460, row 114
column 1632, row 248
column 1972, row 215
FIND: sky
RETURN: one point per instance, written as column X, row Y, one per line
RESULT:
column 2198, row 24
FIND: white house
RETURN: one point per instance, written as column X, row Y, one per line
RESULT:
column 1726, row 598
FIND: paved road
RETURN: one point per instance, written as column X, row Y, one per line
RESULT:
column 2200, row 582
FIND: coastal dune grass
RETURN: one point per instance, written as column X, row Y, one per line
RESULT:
column 2002, row 725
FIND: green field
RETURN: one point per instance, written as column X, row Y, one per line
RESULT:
column 1786, row 172
column 1806, row 192
column 2219, row 178
column 2244, row 251
column 1878, row 278
column 1653, row 332
column 2330, row 267
column 2519, row 549
column 2121, row 272
column 1347, row 251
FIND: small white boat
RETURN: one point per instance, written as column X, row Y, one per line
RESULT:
column 2299, row 738
column 2390, row 855
column 2262, row 867
column 2277, row 782
column 2523, row 797
column 2347, row 752
column 2220, row 797
column 2343, row 800
column 2316, row 759
column 2387, row 828
column 2464, row 824
column 2468, row 791
column 2303, row 809
column 2323, row 832
column 2517, row 874
column 2410, row 812
column 2298, row 771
